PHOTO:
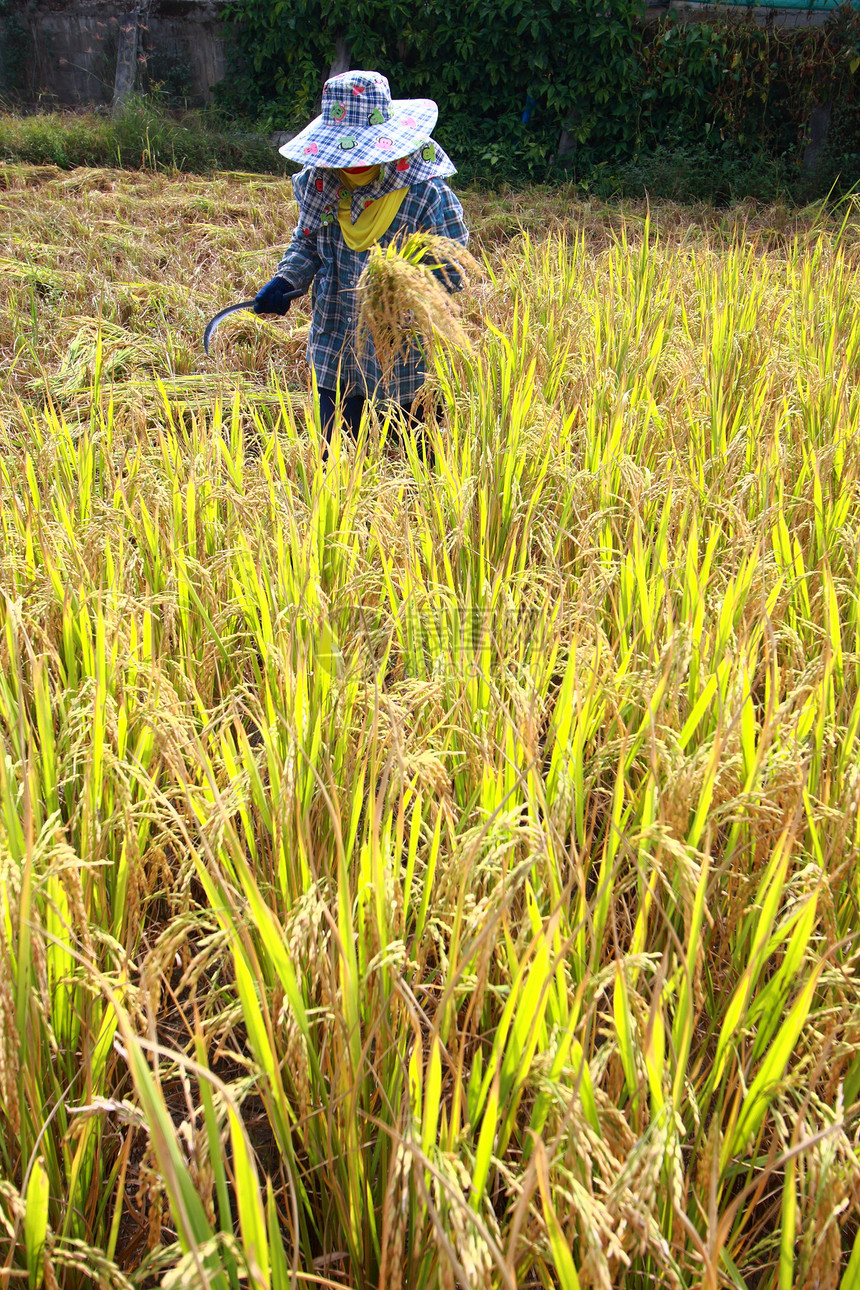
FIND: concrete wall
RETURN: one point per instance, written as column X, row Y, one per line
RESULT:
column 62, row 53
column 783, row 14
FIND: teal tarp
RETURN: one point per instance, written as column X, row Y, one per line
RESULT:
column 815, row 6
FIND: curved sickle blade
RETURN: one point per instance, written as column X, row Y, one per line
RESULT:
column 232, row 309
column 213, row 323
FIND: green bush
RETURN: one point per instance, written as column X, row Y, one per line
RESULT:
column 479, row 59
column 718, row 174
column 736, row 79
column 715, row 109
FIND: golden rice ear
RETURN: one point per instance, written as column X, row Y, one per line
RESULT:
column 402, row 304
column 433, row 251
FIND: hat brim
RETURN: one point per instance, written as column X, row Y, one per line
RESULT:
column 324, row 143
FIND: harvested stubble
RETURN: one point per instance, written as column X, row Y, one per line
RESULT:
column 480, row 847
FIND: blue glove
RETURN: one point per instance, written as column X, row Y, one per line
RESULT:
column 272, row 298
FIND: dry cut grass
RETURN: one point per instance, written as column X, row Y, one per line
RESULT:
column 429, row 878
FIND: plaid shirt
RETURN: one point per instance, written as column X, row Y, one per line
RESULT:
column 325, row 260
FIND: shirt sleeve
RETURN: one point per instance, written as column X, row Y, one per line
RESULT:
column 444, row 217
column 300, row 261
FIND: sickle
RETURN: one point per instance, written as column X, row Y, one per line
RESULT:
column 232, row 309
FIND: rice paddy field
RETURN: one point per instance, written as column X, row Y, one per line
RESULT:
column 429, row 877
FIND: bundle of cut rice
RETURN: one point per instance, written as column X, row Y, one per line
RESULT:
column 402, row 302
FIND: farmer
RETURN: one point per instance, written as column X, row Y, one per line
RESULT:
column 371, row 173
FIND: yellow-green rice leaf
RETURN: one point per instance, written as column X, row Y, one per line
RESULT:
column 36, row 1201
column 251, row 1217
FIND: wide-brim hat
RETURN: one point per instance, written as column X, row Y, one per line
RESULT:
column 360, row 124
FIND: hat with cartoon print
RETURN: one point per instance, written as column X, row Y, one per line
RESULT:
column 360, row 125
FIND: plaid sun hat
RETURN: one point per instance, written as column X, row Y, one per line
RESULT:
column 360, row 124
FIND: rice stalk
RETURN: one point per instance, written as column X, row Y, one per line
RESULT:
column 471, row 855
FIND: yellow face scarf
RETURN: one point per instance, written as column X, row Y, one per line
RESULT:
column 374, row 219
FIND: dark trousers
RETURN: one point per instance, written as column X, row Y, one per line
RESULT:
column 351, row 409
